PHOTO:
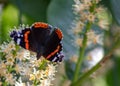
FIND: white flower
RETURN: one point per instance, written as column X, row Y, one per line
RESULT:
column 104, row 24
column 9, row 78
column 10, row 61
column 7, row 47
column 19, row 82
column 21, row 62
column 94, row 56
column 78, row 41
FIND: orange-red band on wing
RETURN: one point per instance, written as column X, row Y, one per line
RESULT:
column 40, row 25
column 59, row 33
column 26, row 40
column 53, row 53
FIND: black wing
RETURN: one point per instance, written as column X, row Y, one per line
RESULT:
column 22, row 37
column 40, row 33
column 53, row 47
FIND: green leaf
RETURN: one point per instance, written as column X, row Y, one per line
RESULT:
column 113, row 6
column 35, row 9
column 113, row 75
column 69, row 69
column 60, row 14
column 115, row 9
column 9, row 20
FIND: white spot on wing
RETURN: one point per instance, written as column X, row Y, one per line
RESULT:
column 18, row 34
column 54, row 59
column 18, row 41
column 21, row 35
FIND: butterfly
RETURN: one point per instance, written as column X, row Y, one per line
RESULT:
column 41, row 38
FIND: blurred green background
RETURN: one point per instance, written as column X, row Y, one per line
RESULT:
column 59, row 13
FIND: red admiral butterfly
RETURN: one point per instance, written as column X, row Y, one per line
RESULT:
column 42, row 39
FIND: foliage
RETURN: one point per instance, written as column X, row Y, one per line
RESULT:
column 60, row 13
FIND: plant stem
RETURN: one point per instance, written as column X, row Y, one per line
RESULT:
column 81, row 53
column 97, row 66
column 87, row 74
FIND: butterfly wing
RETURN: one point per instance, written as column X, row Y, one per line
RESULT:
column 53, row 47
column 40, row 33
column 22, row 37
column 32, row 38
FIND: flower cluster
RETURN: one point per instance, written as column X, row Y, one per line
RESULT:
column 89, row 14
column 21, row 68
column 91, row 20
